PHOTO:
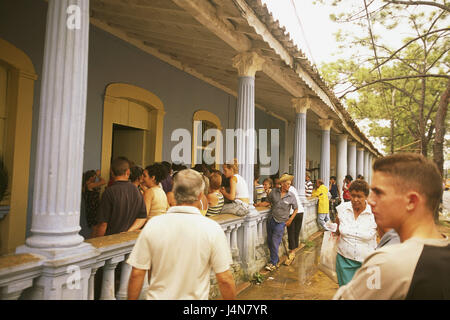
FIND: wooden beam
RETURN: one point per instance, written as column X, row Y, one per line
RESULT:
column 156, row 4
column 145, row 14
column 149, row 25
column 176, row 40
column 205, row 13
column 262, row 30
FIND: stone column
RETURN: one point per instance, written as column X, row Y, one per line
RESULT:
column 59, row 159
column 366, row 165
column 360, row 162
column 341, row 160
column 325, row 124
column 369, row 179
column 351, row 159
column 247, row 63
column 301, row 106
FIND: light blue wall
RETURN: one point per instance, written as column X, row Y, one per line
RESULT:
column 313, row 147
column 22, row 23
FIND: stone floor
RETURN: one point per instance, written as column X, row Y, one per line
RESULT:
column 301, row 280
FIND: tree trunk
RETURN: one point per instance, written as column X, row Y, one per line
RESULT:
column 392, row 135
column 392, row 121
column 439, row 139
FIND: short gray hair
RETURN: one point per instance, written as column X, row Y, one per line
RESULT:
column 187, row 186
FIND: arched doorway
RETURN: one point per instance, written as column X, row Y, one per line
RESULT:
column 133, row 121
column 17, row 77
column 203, row 121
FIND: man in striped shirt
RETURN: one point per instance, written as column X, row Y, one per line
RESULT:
column 309, row 186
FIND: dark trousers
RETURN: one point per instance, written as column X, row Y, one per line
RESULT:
column 275, row 232
column 294, row 231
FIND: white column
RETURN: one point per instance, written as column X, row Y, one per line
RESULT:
column 341, row 160
column 247, row 63
column 369, row 180
column 325, row 124
column 360, row 162
column 351, row 159
column 366, row 165
column 59, row 155
column 301, row 106
column 59, row 159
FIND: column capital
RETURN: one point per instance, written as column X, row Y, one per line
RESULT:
column 325, row 124
column 343, row 136
column 352, row 143
column 248, row 63
column 360, row 148
column 302, row 104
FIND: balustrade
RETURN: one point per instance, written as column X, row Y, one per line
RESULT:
column 246, row 238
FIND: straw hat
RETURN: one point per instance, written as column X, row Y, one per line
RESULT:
column 286, row 177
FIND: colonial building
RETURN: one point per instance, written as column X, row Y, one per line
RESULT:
column 84, row 81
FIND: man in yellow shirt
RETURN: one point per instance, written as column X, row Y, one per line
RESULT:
column 323, row 210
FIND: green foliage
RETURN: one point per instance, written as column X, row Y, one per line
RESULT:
column 308, row 244
column 3, row 180
column 409, row 97
column 257, row 278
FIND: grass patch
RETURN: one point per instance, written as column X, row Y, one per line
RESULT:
column 257, row 278
column 309, row 244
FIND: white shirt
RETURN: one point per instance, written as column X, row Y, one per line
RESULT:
column 299, row 203
column 358, row 237
column 181, row 248
column 241, row 188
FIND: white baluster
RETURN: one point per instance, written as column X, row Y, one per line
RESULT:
column 92, row 280
column 122, row 294
column 234, row 245
column 228, row 234
column 108, row 284
column 260, row 232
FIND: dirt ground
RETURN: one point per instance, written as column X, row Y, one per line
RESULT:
column 299, row 281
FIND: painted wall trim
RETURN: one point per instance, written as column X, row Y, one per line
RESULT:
column 203, row 115
column 119, row 104
column 20, row 94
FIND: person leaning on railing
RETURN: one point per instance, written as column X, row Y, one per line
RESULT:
column 323, row 208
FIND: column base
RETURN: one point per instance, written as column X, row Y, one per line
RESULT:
column 54, row 242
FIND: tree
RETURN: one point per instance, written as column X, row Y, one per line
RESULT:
column 407, row 85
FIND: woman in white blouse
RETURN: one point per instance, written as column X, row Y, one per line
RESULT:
column 238, row 186
column 357, row 230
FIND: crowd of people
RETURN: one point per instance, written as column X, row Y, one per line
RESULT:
column 169, row 202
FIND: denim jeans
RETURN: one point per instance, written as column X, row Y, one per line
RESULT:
column 275, row 233
column 322, row 218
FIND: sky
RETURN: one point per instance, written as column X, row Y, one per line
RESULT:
column 313, row 32
column 314, row 35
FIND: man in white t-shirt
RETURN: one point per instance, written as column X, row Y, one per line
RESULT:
column 179, row 249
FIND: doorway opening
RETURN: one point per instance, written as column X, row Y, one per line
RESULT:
column 128, row 142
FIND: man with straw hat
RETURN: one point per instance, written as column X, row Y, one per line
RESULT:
column 281, row 200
